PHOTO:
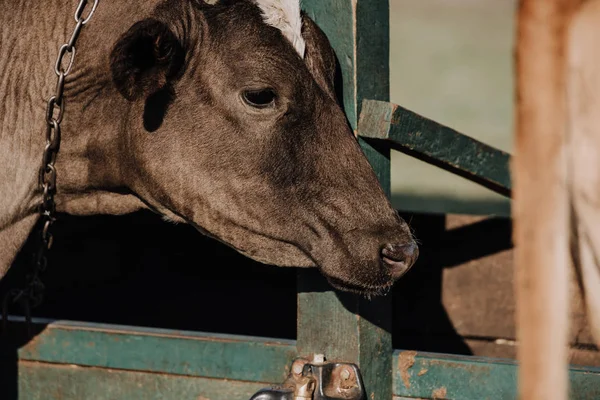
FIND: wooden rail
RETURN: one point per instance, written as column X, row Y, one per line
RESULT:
column 82, row 360
column 436, row 144
column 347, row 327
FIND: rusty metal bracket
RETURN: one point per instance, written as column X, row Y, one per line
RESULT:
column 317, row 380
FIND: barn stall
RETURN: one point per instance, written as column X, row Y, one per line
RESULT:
column 143, row 332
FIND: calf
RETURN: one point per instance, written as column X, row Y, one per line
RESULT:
column 222, row 115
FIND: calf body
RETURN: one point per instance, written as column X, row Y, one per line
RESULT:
column 217, row 115
column 583, row 152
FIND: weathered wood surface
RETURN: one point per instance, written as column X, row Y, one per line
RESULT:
column 349, row 328
column 162, row 351
column 540, row 201
column 436, row 144
column 40, row 381
column 346, row 327
column 436, row 376
column 70, row 360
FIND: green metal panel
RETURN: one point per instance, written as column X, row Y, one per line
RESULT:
column 155, row 350
column 436, row 143
column 425, row 375
column 39, row 381
column 346, row 327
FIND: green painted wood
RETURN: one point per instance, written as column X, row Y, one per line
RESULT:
column 425, row 375
column 335, row 18
column 358, row 30
column 345, row 327
column 436, row 144
column 74, row 360
column 379, row 158
column 154, row 350
column 39, row 381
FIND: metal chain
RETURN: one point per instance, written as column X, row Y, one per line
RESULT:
column 32, row 295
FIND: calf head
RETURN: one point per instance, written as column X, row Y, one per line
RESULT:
column 233, row 126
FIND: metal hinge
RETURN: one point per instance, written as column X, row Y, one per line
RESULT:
column 317, row 380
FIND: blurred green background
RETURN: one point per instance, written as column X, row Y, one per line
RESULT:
column 452, row 61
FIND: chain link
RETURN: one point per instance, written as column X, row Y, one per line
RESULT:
column 32, row 295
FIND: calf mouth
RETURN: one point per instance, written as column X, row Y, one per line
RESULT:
column 367, row 291
column 362, row 263
column 376, row 277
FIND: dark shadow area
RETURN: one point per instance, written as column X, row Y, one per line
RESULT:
column 139, row 270
column 419, row 315
column 420, row 319
column 477, row 240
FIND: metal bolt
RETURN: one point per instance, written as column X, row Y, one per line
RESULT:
column 297, row 368
column 345, row 374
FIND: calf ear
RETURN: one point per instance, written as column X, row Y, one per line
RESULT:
column 320, row 57
column 145, row 59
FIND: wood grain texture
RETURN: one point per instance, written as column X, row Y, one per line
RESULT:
column 436, row 144
column 40, row 381
column 346, row 327
column 161, row 351
column 427, row 375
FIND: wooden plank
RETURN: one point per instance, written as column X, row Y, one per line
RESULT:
column 40, row 381
column 347, row 327
column 436, row 144
column 174, row 363
column 426, row 375
column 358, row 30
column 156, row 350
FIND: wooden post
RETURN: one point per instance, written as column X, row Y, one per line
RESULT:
column 340, row 326
column 540, row 207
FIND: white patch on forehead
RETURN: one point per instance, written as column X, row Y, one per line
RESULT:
column 285, row 16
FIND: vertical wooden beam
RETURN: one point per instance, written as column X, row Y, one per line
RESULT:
column 346, row 327
column 540, row 208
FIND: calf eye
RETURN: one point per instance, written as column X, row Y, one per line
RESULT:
column 259, row 98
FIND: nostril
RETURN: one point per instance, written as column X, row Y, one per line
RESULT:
column 399, row 257
column 400, row 252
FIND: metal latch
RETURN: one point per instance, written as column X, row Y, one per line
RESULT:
column 317, row 380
